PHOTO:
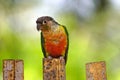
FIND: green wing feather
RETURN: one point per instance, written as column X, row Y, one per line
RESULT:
column 66, row 52
column 42, row 45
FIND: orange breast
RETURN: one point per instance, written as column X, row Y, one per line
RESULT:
column 55, row 44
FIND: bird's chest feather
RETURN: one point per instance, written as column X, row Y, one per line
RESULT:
column 55, row 43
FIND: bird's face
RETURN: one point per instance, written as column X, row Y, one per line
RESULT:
column 44, row 23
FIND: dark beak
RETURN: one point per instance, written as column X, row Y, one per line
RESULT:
column 38, row 26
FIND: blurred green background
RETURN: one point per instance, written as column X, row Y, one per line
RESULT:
column 94, row 32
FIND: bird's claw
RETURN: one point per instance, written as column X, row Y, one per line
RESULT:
column 49, row 57
column 61, row 57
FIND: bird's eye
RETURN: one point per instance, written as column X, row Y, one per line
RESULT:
column 44, row 22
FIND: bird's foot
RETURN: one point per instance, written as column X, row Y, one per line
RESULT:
column 49, row 57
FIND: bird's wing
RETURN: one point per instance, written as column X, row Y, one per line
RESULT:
column 42, row 45
column 66, row 52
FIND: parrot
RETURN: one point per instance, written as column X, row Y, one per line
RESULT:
column 54, row 38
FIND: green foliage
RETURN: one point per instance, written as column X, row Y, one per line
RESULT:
column 92, row 39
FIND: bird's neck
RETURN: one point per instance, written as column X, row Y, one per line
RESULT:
column 53, row 31
column 52, row 28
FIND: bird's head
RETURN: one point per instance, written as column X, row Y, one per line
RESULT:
column 45, row 23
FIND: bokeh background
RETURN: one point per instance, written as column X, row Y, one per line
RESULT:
column 94, row 32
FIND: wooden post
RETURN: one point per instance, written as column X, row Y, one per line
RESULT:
column 54, row 69
column 8, row 69
column 96, row 71
column 19, row 70
column 13, row 70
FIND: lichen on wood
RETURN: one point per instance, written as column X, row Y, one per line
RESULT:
column 54, row 69
column 96, row 71
column 13, row 69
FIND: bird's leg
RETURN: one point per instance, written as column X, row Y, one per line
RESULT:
column 49, row 57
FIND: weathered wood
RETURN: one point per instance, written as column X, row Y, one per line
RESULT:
column 13, row 70
column 19, row 70
column 8, row 69
column 54, row 69
column 96, row 71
